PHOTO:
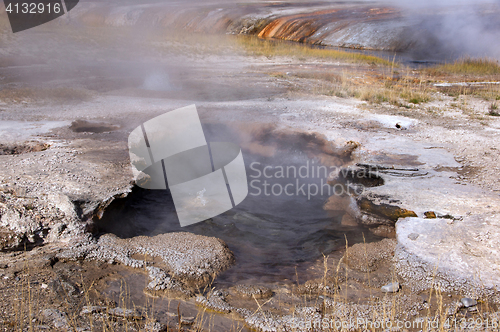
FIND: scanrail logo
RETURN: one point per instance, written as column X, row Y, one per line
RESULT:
column 205, row 179
column 27, row 14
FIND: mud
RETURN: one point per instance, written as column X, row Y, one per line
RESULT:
column 88, row 294
column 365, row 257
column 82, row 126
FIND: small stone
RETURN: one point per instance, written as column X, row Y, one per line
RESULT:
column 125, row 313
column 91, row 309
column 468, row 302
column 187, row 320
column 393, row 287
column 430, row 215
column 413, row 236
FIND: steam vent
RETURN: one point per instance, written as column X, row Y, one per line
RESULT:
column 249, row 166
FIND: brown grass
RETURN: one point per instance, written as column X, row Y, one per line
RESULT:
column 486, row 91
column 272, row 48
column 493, row 109
column 402, row 93
column 468, row 66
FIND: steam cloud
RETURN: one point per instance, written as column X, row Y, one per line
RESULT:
column 452, row 29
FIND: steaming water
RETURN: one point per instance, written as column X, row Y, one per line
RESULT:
column 271, row 235
column 159, row 82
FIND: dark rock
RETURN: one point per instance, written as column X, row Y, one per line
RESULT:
column 430, row 215
column 382, row 211
column 20, row 148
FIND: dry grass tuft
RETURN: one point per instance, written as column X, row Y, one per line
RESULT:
column 271, row 48
column 493, row 109
column 468, row 66
column 403, row 94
